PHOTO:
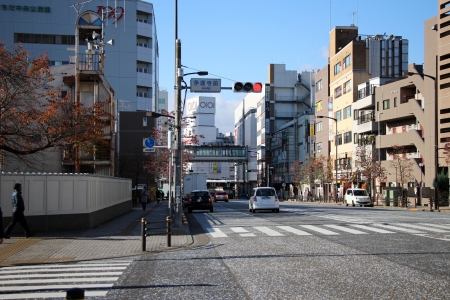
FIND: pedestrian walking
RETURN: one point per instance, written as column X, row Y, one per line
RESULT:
column 2, row 232
column 18, row 209
column 144, row 198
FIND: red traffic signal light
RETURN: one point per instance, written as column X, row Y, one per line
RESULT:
column 247, row 87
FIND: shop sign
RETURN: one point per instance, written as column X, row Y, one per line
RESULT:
column 43, row 9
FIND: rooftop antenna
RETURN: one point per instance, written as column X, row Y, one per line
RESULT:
column 79, row 6
column 353, row 18
column 330, row 15
column 357, row 14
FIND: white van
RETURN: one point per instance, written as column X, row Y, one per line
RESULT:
column 356, row 196
column 263, row 198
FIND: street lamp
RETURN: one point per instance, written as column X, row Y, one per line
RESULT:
column 420, row 186
column 336, row 145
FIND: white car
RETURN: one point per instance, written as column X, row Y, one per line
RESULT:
column 263, row 198
column 356, row 197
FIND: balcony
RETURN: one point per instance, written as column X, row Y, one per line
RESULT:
column 412, row 137
column 144, row 29
column 144, row 79
column 144, row 54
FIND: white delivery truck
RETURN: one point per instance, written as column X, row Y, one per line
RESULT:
column 191, row 182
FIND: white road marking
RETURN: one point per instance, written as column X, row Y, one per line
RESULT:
column 269, row 231
column 320, row 230
column 294, row 230
column 422, row 227
column 371, row 228
column 61, row 295
column 242, row 231
column 397, row 228
column 443, row 226
column 346, row 229
column 216, row 232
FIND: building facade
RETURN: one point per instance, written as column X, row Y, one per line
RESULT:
column 133, row 62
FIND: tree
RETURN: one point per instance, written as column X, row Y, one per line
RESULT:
column 368, row 167
column 404, row 168
column 314, row 168
column 34, row 117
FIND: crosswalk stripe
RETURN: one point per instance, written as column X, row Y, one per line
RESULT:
column 2, row 271
column 294, row 230
column 60, row 295
column 57, row 287
column 346, row 229
column 422, row 227
column 37, row 281
column 391, row 227
column 216, row 232
column 443, row 226
column 66, row 265
column 320, row 230
column 242, row 231
column 269, row 231
column 52, row 275
column 371, row 228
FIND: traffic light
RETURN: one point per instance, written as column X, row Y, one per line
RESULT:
column 247, row 170
column 247, row 87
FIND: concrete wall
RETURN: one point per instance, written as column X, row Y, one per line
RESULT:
column 65, row 201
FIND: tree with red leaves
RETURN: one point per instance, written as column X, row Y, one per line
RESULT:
column 33, row 116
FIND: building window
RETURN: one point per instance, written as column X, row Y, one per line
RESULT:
column 319, row 127
column 337, row 68
column 347, row 137
column 319, row 106
column 338, row 92
column 338, row 115
column 395, row 101
column 347, row 112
column 142, row 94
column 142, row 20
column 385, row 104
column 319, row 85
column 142, row 70
column 347, row 61
column 145, row 45
column 355, row 138
column 161, row 101
column 338, row 139
column 355, row 114
column 378, row 106
column 56, row 39
column 347, row 86
column 144, row 122
column 319, row 147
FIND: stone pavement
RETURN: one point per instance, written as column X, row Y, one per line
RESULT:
column 120, row 237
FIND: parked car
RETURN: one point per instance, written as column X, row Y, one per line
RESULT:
column 356, row 196
column 221, row 196
column 200, row 200
column 263, row 198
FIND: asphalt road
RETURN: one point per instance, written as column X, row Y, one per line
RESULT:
column 307, row 251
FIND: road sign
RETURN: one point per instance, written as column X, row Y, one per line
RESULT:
column 149, row 149
column 205, row 85
column 149, row 142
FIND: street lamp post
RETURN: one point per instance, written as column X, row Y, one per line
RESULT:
column 420, row 186
column 336, row 145
column 379, row 154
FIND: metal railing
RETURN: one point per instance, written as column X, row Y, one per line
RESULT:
column 164, row 228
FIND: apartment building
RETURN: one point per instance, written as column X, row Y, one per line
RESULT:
column 49, row 26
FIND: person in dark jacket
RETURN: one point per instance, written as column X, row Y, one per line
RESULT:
column 18, row 209
column 2, row 232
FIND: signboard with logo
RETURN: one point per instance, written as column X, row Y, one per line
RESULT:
column 201, row 104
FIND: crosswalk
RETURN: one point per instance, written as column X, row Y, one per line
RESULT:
column 326, row 229
column 53, row 280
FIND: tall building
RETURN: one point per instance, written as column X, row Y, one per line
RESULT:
column 132, row 63
column 354, row 60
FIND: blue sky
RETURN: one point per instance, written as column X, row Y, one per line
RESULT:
column 236, row 40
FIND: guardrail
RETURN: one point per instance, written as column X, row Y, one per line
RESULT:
column 166, row 228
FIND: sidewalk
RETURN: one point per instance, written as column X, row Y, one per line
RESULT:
column 120, row 237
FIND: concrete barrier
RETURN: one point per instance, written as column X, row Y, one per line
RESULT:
column 62, row 201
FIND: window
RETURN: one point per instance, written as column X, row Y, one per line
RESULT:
column 385, row 104
column 26, row 38
column 338, row 115
column 347, row 86
column 319, row 147
column 142, row 20
column 395, row 101
column 145, row 45
column 142, row 94
column 347, row 137
column 318, row 85
column 161, row 101
column 338, row 139
column 144, row 122
column 337, row 68
column 142, row 70
column 355, row 114
column 347, row 61
column 347, row 112
column 378, row 106
column 338, row 92
column 355, row 138
column 319, row 127
column 319, row 106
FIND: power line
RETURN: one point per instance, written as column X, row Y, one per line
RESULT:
column 209, row 73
